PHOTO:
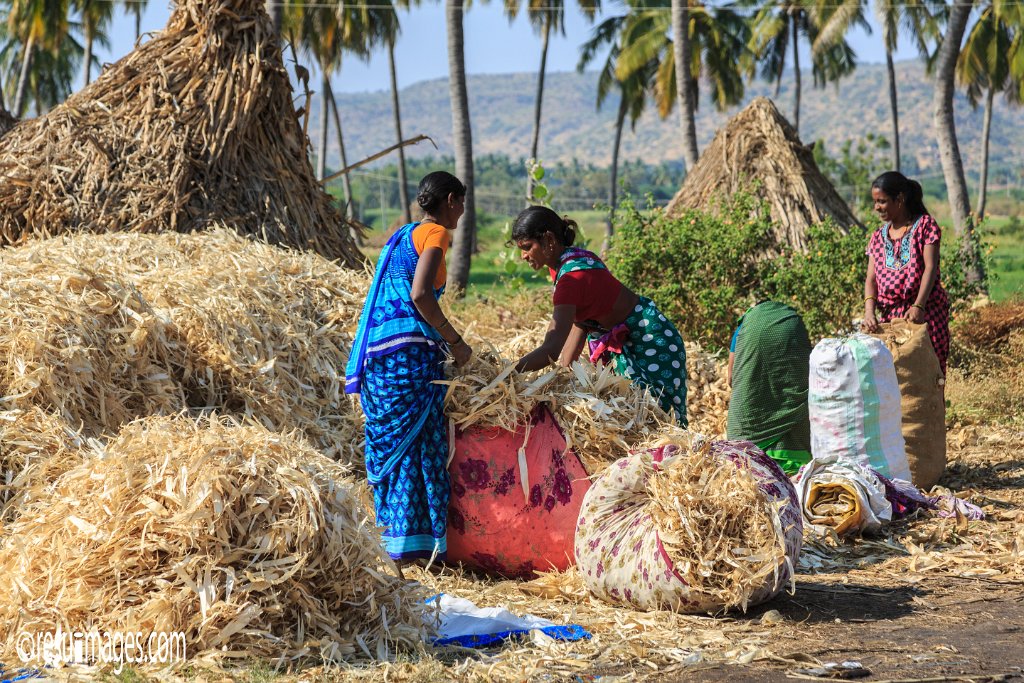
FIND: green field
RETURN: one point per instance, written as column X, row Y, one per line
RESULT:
column 1005, row 236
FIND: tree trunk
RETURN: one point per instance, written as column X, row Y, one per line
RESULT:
column 545, row 39
column 87, row 57
column 346, row 182
column 275, row 8
column 26, row 64
column 3, row 107
column 138, row 22
column 609, row 226
column 796, row 74
column 684, row 95
column 462, row 141
column 321, row 156
column 894, row 109
column 403, row 182
column 945, row 135
column 986, row 130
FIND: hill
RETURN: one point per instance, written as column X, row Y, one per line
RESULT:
column 501, row 106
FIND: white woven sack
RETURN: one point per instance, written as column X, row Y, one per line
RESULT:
column 854, row 405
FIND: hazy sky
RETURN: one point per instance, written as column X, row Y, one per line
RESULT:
column 492, row 45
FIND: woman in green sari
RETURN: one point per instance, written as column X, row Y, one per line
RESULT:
column 769, row 364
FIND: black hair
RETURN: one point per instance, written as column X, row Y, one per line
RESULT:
column 435, row 188
column 895, row 184
column 533, row 222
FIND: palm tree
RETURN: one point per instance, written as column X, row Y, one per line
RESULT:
column 945, row 134
column 546, row 16
column 95, row 16
column 38, row 25
column 391, row 35
column 462, row 141
column 684, row 93
column 918, row 20
column 136, row 8
column 718, row 39
column 328, row 32
column 633, row 92
column 51, row 76
column 781, row 24
column 990, row 62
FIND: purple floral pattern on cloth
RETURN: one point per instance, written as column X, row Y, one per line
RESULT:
column 618, row 549
column 475, row 474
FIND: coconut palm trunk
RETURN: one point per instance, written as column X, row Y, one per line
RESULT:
column 87, row 57
column 620, row 122
column 684, row 94
column 346, row 182
column 893, row 110
column 26, row 64
column 321, row 154
column 138, row 22
column 796, row 74
column 462, row 141
column 545, row 40
column 985, row 133
column 403, row 182
column 945, row 134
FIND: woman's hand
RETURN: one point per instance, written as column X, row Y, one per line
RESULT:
column 916, row 315
column 870, row 323
column 461, row 352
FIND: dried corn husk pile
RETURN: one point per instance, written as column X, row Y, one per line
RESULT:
column 707, row 392
column 238, row 537
column 194, row 127
column 726, row 538
column 33, row 443
column 101, row 330
column 602, row 414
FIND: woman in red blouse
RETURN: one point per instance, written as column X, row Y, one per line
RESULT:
column 623, row 329
column 903, row 263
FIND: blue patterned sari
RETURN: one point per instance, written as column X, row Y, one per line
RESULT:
column 396, row 358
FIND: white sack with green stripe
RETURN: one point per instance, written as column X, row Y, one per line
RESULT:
column 854, row 405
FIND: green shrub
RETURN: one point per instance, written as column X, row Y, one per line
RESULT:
column 700, row 268
column 705, row 269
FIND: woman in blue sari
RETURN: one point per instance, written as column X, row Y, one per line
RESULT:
column 397, row 356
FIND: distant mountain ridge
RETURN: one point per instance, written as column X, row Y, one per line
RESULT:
column 501, row 107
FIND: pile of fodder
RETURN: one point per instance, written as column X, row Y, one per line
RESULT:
column 248, row 542
column 707, row 392
column 989, row 331
column 759, row 150
column 102, row 329
column 34, row 444
column 195, row 127
column 601, row 413
column 689, row 525
column 604, row 415
column 985, row 382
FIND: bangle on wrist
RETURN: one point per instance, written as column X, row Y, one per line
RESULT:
column 917, row 306
column 869, row 298
column 446, row 323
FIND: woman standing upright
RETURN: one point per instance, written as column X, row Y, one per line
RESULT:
column 397, row 355
column 903, row 263
column 624, row 329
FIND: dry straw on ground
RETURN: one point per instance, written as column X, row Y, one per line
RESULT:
column 100, row 330
column 196, row 126
column 758, row 144
column 249, row 542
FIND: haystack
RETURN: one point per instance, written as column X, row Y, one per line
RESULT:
column 101, row 330
column 758, row 149
column 195, row 127
column 248, row 542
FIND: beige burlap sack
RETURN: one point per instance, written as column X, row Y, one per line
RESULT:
column 921, row 392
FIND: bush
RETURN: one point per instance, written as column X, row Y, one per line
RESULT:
column 699, row 268
column 705, row 269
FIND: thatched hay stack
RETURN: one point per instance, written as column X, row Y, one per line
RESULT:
column 759, row 146
column 101, row 330
column 248, row 542
column 194, row 127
